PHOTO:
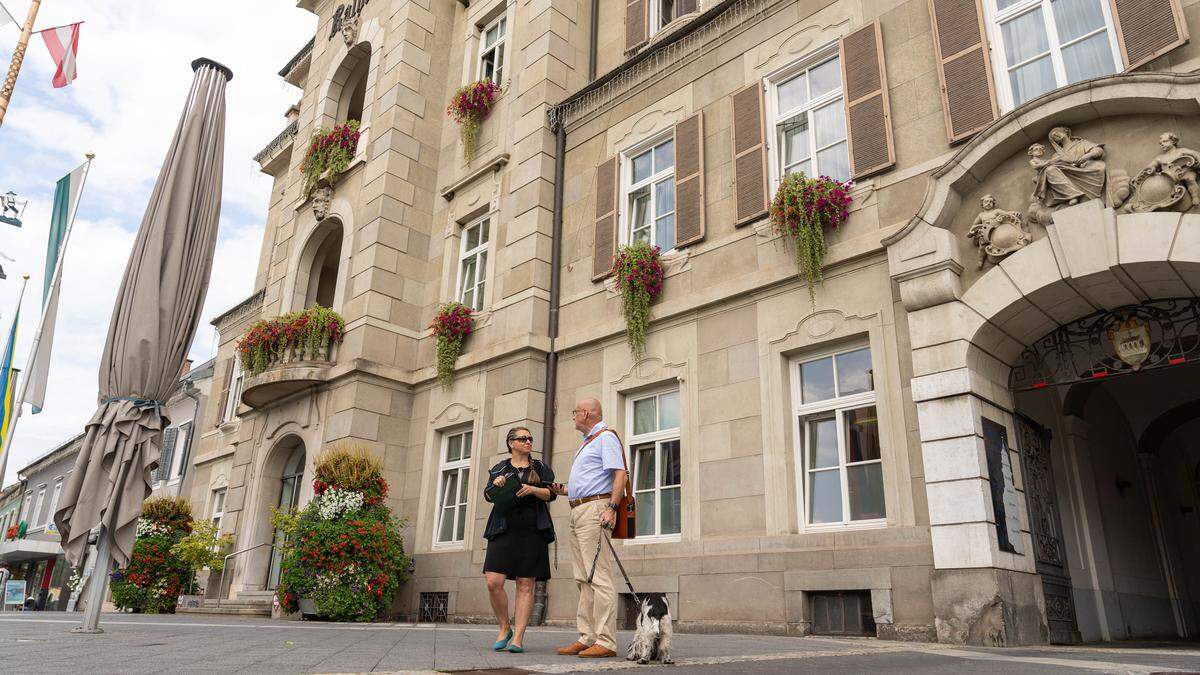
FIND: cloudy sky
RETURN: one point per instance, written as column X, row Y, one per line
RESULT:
column 133, row 76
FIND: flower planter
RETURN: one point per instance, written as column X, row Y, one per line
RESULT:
column 451, row 326
column 802, row 210
column 639, row 273
column 469, row 106
column 329, row 154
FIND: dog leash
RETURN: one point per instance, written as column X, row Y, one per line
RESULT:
column 596, row 562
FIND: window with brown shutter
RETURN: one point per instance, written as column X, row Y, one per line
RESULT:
column 964, row 70
column 637, row 20
column 1147, row 29
column 689, row 181
column 604, row 237
column 227, row 379
column 868, row 115
column 749, row 155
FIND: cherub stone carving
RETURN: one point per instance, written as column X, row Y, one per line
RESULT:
column 1076, row 172
column 997, row 233
column 1169, row 182
column 350, row 29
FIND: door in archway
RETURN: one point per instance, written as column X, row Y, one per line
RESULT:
column 1050, row 554
column 289, row 499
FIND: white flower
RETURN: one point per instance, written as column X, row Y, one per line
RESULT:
column 337, row 502
column 147, row 528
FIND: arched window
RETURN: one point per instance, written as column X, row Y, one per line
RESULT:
column 289, row 500
column 320, row 263
column 354, row 91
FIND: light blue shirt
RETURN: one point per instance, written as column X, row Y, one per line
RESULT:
column 591, row 472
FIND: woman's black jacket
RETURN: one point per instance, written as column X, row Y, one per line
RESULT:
column 497, row 523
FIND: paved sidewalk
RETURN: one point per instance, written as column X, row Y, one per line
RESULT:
column 43, row 643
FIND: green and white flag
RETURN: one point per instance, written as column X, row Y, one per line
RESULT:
column 66, row 201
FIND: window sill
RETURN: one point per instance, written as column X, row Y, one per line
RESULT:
column 494, row 164
column 840, row 527
column 655, row 539
column 446, row 547
column 673, row 262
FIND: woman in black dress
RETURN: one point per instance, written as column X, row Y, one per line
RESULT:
column 518, row 533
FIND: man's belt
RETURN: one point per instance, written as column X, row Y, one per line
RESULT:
column 592, row 498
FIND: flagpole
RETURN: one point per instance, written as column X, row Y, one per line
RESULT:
column 37, row 336
column 14, row 68
column 12, row 426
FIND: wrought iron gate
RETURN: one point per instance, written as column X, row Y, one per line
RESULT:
column 1045, row 526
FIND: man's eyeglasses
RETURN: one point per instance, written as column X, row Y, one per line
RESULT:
column 523, row 439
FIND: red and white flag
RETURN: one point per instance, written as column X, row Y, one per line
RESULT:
column 63, row 43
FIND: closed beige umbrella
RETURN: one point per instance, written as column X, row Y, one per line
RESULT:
column 153, row 323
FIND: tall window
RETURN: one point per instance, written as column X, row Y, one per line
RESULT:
column 218, row 507
column 235, row 391
column 472, row 275
column 841, row 470
column 35, row 516
column 810, row 119
column 453, row 487
column 25, row 510
column 491, row 51
column 1046, row 44
column 650, row 194
column 185, row 449
column 53, row 501
column 663, row 12
column 654, row 447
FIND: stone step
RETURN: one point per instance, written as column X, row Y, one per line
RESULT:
column 227, row 610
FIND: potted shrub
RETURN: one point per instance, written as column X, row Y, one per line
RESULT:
column 156, row 576
column 802, row 210
column 308, row 334
column 451, row 325
column 469, row 106
column 329, row 154
column 201, row 548
column 343, row 550
column 639, row 274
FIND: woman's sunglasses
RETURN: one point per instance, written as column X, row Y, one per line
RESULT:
column 523, row 439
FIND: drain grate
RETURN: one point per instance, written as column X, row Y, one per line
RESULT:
column 434, row 607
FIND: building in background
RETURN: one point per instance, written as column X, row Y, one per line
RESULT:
column 972, row 431
column 183, row 409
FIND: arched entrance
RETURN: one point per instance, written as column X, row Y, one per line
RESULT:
column 290, row 483
column 1048, row 522
column 283, row 483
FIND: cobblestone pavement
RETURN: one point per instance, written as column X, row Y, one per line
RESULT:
column 43, row 643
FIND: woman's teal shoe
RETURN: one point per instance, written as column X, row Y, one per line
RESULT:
column 516, row 649
column 499, row 646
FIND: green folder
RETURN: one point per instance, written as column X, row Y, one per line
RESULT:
column 503, row 498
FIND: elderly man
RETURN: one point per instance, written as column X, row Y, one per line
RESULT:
column 598, row 477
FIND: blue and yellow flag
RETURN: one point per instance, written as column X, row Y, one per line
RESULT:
column 8, row 383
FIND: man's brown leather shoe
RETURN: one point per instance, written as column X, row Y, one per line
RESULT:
column 596, row 652
column 572, row 649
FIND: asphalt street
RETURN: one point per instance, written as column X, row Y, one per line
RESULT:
column 43, row 643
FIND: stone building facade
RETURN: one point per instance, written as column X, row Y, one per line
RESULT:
column 905, row 452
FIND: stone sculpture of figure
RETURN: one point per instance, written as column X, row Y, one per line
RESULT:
column 322, row 199
column 1169, row 182
column 997, row 233
column 1076, row 172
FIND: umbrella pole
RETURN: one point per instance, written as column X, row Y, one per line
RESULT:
column 98, row 582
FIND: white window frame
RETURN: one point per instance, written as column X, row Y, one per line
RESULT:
column 463, row 499
column 235, row 391
column 217, row 506
column 1000, row 68
column 499, row 47
column 58, row 485
column 181, row 448
column 35, row 516
column 26, row 508
column 775, row 116
column 483, row 249
column 803, row 413
column 658, row 437
column 656, row 23
column 628, row 187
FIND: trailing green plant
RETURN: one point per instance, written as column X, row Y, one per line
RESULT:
column 469, row 106
column 803, row 208
column 313, row 331
column 451, row 325
column 329, row 150
column 639, row 274
column 156, row 575
column 343, row 549
column 202, row 547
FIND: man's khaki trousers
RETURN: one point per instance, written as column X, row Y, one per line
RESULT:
column 597, row 614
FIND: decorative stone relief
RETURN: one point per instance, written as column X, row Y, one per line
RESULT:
column 1076, row 172
column 1169, row 183
column 322, row 198
column 350, row 30
column 997, row 233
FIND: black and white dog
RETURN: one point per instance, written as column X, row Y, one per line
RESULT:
column 652, row 639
